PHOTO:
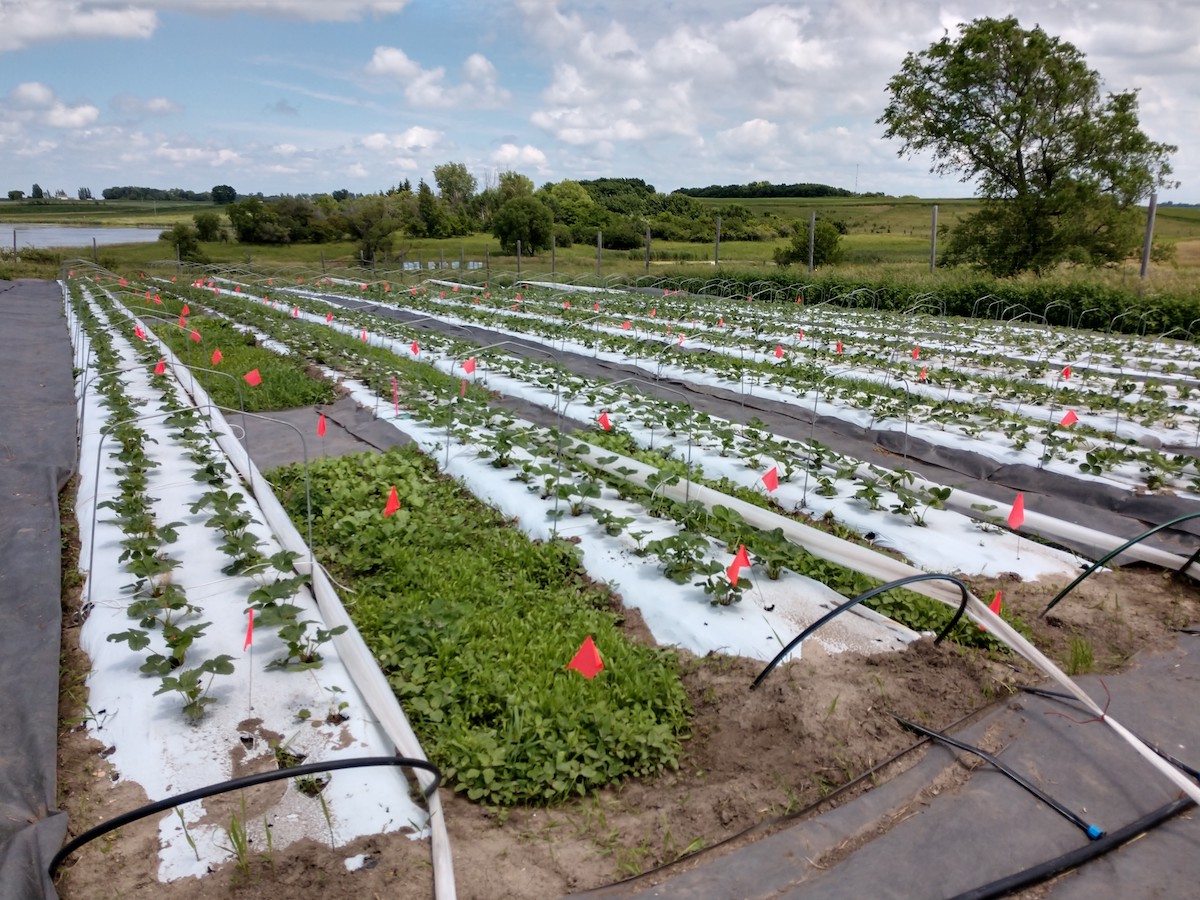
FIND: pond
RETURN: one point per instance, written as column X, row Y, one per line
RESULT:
column 24, row 235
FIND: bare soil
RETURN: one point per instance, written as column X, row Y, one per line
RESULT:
column 754, row 759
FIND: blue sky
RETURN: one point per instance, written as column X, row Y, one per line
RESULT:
column 305, row 96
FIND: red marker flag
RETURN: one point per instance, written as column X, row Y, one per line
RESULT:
column 587, row 661
column 681, row 340
column 462, row 388
column 916, row 352
column 566, row 304
column 186, row 311
column 924, row 374
column 779, row 351
column 364, row 335
column 321, row 426
column 596, row 306
column 994, row 606
column 158, row 299
column 249, row 631
column 603, row 420
column 329, row 317
column 252, row 378
column 625, row 325
column 416, row 348
column 1016, row 516
column 1067, row 373
column 161, row 367
column 721, row 322
column 654, row 312
column 182, row 322
column 195, row 335
column 742, row 558
column 295, row 312
column 469, row 365
column 217, row 357
column 393, row 503
column 138, row 333
column 771, row 478
column 839, row 348
column 800, row 335
column 1069, row 419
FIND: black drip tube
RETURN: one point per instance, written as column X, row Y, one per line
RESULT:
column 1094, row 832
column 1125, row 546
column 237, row 784
column 1073, row 859
column 874, row 592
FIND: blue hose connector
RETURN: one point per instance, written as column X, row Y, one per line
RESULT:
column 1095, row 833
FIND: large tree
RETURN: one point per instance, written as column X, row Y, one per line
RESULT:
column 525, row 219
column 1061, row 166
column 456, row 186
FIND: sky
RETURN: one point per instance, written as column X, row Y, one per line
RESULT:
column 310, row 96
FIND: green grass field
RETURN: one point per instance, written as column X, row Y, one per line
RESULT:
column 887, row 239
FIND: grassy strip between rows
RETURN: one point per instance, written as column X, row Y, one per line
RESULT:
column 473, row 624
column 285, row 381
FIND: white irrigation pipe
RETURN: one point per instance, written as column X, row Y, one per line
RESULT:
column 351, row 647
column 886, row 568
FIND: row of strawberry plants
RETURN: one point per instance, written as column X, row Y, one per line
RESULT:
column 160, row 601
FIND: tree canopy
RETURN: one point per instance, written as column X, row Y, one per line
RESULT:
column 526, row 219
column 1061, row 167
column 826, row 245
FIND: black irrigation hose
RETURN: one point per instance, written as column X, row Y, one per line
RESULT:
column 883, row 588
column 1092, row 831
column 1179, row 764
column 1125, row 546
column 1077, row 857
column 237, row 784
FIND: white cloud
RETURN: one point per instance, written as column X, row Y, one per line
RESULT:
column 28, row 22
column 209, row 156
column 749, row 135
column 510, row 155
column 32, row 95
column 394, row 63
column 307, row 10
column 412, row 140
column 356, row 170
column 285, row 149
column 478, row 85
column 129, row 105
column 62, row 116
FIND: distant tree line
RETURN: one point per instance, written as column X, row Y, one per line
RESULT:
column 765, row 189
column 222, row 193
column 511, row 208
